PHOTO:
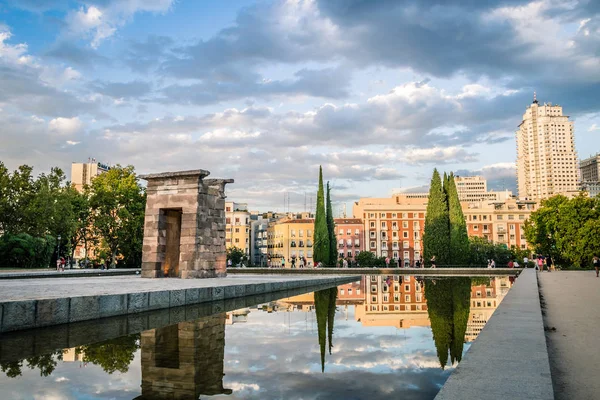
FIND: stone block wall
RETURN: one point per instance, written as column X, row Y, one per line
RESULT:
column 201, row 204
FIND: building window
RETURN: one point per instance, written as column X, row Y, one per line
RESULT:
column 405, row 235
column 405, row 224
column 341, row 232
column 372, row 225
column 405, row 244
column 301, row 233
column 357, row 232
column 373, row 245
column 308, row 233
column 407, row 298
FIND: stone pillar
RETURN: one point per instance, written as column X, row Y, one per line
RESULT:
column 184, row 361
column 201, row 205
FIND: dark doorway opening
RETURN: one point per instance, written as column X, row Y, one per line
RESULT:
column 170, row 266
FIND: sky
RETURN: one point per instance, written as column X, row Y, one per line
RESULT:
column 378, row 92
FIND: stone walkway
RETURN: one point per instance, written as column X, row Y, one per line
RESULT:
column 572, row 306
column 36, row 289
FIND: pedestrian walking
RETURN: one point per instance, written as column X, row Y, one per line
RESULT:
column 345, row 263
column 493, row 264
column 418, row 264
column 432, row 262
column 540, row 263
column 525, row 262
column 57, row 264
column 229, row 263
column 511, row 264
column 387, row 262
column 62, row 264
column 421, row 262
column 293, row 262
column 489, row 263
column 282, row 262
column 596, row 264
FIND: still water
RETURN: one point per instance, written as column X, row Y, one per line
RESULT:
column 382, row 337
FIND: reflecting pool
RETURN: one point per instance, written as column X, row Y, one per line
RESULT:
column 382, row 337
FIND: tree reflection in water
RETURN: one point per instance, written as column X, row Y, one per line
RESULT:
column 448, row 306
column 325, row 309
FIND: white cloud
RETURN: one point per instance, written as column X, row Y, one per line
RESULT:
column 65, row 126
column 593, row 128
column 99, row 23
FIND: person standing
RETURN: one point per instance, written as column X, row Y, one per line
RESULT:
column 540, row 263
column 432, row 262
column 493, row 264
column 345, row 263
column 282, row 262
column 489, row 263
column 596, row 264
column 229, row 263
column 418, row 264
column 293, row 262
column 511, row 264
column 525, row 262
column 421, row 262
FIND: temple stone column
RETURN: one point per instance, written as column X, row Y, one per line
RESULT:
column 184, row 226
column 184, row 361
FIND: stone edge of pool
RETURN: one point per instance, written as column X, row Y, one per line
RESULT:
column 377, row 271
column 509, row 359
column 30, row 314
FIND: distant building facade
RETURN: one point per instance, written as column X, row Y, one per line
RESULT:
column 237, row 226
column 289, row 239
column 394, row 226
column 350, row 233
column 474, row 188
column 83, row 173
column 590, row 175
column 546, row 156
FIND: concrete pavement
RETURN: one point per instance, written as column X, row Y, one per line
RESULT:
column 572, row 306
column 35, row 303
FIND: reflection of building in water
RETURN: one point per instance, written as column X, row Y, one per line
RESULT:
column 352, row 293
column 72, row 355
column 348, row 294
column 393, row 300
column 184, row 361
column 237, row 316
column 485, row 298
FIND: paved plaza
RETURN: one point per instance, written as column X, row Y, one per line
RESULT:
column 572, row 306
column 37, row 289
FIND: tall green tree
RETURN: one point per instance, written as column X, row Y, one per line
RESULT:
column 331, row 230
column 83, row 230
column 459, row 238
column 566, row 229
column 112, row 355
column 436, row 237
column 321, row 235
column 117, row 201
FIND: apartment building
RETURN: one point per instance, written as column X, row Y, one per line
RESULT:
column 590, row 175
column 393, row 226
column 237, row 228
column 350, row 237
column 289, row 239
column 474, row 188
column 546, row 156
column 499, row 222
column 83, row 173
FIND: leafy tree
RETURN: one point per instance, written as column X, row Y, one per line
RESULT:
column 321, row 235
column 436, row 238
column 25, row 251
column 236, row 255
column 459, row 239
column 12, row 369
column 116, row 201
column 46, row 363
column 112, row 355
column 365, row 259
column 566, row 229
column 82, row 219
column 481, row 250
column 331, row 230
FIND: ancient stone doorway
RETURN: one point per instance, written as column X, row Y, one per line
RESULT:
column 167, row 347
column 172, row 243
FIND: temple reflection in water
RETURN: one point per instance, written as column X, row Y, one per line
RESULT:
column 184, row 361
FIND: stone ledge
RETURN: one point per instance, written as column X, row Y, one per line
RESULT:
column 509, row 358
column 377, row 271
column 193, row 172
column 27, row 314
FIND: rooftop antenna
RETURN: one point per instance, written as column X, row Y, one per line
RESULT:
column 535, row 98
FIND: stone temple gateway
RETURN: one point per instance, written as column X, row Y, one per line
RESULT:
column 184, row 226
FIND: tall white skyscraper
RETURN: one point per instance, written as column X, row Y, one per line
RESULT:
column 546, row 158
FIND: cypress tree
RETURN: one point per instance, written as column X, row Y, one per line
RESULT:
column 321, row 235
column 321, row 309
column 436, row 238
column 459, row 239
column 331, row 231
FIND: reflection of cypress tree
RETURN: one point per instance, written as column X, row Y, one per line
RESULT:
column 331, row 316
column 325, row 310
column 461, row 302
column 439, row 308
column 448, row 306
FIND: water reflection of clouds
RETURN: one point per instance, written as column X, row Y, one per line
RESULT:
column 274, row 356
column 366, row 362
